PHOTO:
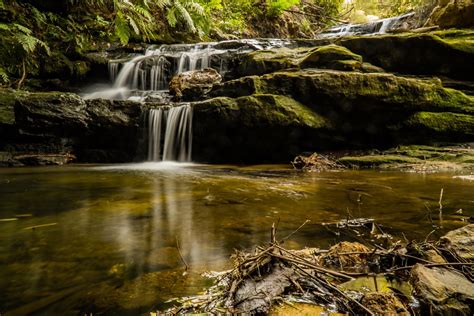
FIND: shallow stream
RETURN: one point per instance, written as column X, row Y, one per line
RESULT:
column 98, row 239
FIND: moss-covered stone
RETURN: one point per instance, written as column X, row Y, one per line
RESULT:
column 261, row 110
column 257, row 128
column 453, row 13
column 415, row 158
column 267, row 61
column 446, row 53
column 324, row 57
column 7, row 103
column 348, row 92
column 358, row 110
column 376, row 160
column 443, row 126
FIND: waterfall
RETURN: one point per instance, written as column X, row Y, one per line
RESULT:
column 139, row 76
column 176, row 123
column 381, row 26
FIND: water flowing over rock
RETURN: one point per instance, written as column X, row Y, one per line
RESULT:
column 136, row 77
column 381, row 26
column 175, row 124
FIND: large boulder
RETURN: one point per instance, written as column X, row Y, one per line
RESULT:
column 452, row 13
column 447, row 53
column 324, row 57
column 193, row 85
column 56, row 128
column 442, row 291
column 256, row 128
column 355, row 110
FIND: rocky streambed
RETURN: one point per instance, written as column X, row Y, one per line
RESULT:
column 355, row 93
column 382, row 275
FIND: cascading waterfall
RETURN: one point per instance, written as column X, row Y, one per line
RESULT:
column 150, row 73
column 176, row 123
column 381, row 26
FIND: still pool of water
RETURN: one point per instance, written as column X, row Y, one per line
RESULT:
column 103, row 239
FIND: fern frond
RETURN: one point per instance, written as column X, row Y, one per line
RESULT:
column 23, row 29
column 27, row 42
column 143, row 12
column 162, row 3
column 5, row 27
column 196, row 8
column 4, row 76
column 134, row 25
column 185, row 16
column 171, row 17
column 122, row 29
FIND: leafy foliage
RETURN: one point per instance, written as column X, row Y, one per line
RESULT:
column 385, row 8
column 278, row 6
column 22, row 45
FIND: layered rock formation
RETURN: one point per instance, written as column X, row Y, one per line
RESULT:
column 356, row 93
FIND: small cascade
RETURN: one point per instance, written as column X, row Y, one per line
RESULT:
column 381, row 26
column 170, row 134
column 140, row 76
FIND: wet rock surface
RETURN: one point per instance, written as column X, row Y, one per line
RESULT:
column 443, row 291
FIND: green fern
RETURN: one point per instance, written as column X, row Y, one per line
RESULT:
column 4, row 76
column 122, row 29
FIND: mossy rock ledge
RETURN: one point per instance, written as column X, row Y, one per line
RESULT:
column 248, row 121
column 56, row 128
column 256, row 119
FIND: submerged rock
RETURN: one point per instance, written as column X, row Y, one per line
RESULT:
column 442, row 291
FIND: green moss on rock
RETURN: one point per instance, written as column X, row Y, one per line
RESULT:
column 7, row 103
column 376, row 160
column 325, row 56
column 443, row 122
column 446, row 53
column 261, row 109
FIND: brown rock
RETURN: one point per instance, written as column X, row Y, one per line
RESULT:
column 442, row 291
column 461, row 242
column 384, row 304
column 192, row 85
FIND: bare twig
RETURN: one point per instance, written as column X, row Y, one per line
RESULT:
column 181, row 255
column 441, row 208
column 294, row 232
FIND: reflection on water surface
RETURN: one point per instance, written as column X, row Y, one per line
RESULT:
column 105, row 237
